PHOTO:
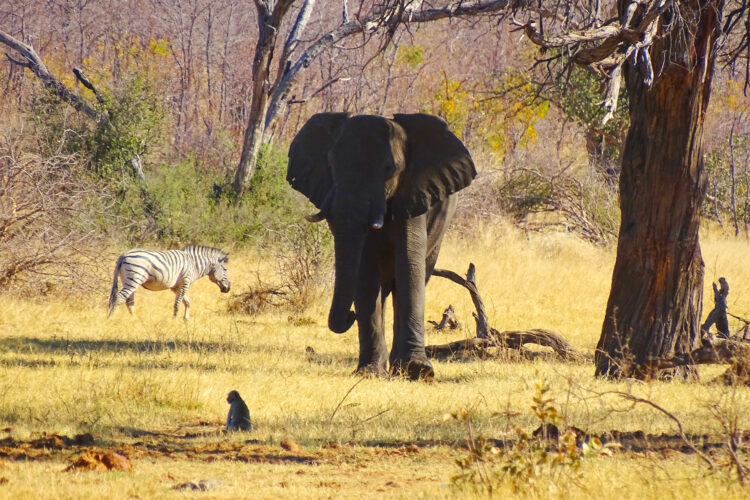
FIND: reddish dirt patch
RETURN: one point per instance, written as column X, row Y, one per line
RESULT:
column 291, row 445
column 109, row 460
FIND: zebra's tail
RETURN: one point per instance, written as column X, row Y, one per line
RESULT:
column 113, row 292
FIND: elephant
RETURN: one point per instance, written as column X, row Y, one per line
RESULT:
column 387, row 189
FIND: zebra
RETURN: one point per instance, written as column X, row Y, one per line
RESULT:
column 173, row 269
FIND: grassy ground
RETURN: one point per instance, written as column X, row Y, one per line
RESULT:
column 154, row 388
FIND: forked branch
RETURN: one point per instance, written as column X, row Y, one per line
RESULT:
column 606, row 48
column 34, row 63
column 488, row 337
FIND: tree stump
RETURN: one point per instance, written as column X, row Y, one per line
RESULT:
column 449, row 320
column 719, row 313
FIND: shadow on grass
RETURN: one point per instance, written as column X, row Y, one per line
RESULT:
column 70, row 352
column 65, row 346
column 138, row 365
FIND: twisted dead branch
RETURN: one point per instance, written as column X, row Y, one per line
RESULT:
column 488, row 337
column 614, row 42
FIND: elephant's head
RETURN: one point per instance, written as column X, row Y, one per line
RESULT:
column 361, row 170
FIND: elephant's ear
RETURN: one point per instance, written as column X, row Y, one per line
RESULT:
column 308, row 170
column 437, row 165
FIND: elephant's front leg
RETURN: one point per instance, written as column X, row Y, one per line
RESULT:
column 368, row 306
column 408, row 353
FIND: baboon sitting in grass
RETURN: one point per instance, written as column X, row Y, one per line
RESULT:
column 238, row 418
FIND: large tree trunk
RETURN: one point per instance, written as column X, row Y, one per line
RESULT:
column 270, row 16
column 656, row 296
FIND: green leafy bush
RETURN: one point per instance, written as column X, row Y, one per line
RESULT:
column 172, row 203
column 547, row 456
column 195, row 203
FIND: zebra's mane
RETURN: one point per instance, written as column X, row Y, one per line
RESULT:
column 210, row 252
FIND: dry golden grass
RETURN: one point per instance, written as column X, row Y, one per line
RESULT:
column 67, row 369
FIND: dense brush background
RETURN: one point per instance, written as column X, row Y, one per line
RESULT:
column 174, row 79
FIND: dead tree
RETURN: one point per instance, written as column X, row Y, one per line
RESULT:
column 666, row 51
column 488, row 337
column 719, row 313
column 483, row 326
column 271, row 89
column 34, row 63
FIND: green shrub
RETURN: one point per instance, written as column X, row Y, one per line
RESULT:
column 550, row 454
column 192, row 202
column 134, row 125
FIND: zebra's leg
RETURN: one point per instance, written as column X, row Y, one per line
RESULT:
column 180, row 297
column 127, row 293
column 186, row 301
column 130, row 302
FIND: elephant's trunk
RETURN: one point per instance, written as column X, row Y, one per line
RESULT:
column 348, row 250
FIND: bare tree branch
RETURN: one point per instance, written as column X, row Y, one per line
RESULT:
column 629, row 37
column 268, row 98
column 369, row 25
column 483, row 326
column 37, row 66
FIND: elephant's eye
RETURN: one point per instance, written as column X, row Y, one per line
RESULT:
column 390, row 169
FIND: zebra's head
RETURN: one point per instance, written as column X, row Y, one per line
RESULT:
column 218, row 273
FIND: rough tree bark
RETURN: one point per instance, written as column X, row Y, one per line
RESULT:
column 666, row 49
column 656, row 295
column 270, row 15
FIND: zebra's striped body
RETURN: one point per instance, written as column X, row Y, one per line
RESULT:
column 173, row 269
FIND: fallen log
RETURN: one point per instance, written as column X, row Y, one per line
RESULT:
column 717, row 352
column 507, row 340
column 736, row 353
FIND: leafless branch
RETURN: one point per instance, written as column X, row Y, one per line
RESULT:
column 614, row 42
column 34, row 63
column 404, row 16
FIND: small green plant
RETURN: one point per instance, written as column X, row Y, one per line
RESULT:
column 543, row 457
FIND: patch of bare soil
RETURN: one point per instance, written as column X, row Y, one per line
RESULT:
column 207, row 443
column 42, row 447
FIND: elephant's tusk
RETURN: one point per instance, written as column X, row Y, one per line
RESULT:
column 315, row 217
column 378, row 222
